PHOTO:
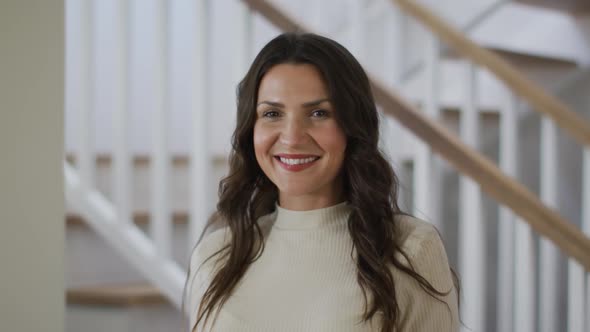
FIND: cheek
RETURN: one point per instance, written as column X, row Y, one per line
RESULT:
column 333, row 141
column 262, row 141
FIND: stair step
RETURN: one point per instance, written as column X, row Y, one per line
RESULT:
column 120, row 295
column 140, row 218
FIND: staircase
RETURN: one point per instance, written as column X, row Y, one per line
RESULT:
column 125, row 271
column 102, row 284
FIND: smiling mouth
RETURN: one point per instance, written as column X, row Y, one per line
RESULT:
column 296, row 161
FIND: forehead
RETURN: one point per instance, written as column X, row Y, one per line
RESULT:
column 288, row 81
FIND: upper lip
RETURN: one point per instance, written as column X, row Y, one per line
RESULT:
column 296, row 156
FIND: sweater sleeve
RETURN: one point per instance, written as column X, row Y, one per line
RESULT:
column 201, row 270
column 420, row 311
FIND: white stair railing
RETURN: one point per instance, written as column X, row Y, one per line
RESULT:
column 508, row 163
column 529, row 317
column 548, row 254
column 127, row 239
column 81, row 82
column 160, row 224
column 199, row 163
column 578, row 314
column 472, row 240
column 121, row 161
column 112, row 220
column 428, row 165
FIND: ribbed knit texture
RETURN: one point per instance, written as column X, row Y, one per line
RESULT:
column 306, row 278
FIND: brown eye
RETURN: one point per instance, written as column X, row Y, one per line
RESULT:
column 319, row 113
column 270, row 114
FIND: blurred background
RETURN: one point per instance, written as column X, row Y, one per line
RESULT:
column 485, row 118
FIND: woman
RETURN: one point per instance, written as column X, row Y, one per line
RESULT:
column 308, row 235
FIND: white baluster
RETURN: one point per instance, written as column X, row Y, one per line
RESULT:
column 160, row 226
column 73, row 71
column 508, row 164
column 391, row 131
column 85, row 153
column 357, row 30
column 548, row 269
column 524, row 274
column 471, row 233
column 576, row 309
column 393, row 46
column 243, row 46
column 426, row 174
column 200, row 158
column 121, row 163
column 578, row 291
column 586, row 228
column 524, row 280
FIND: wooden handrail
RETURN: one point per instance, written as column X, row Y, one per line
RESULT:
column 468, row 161
column 542, row 101
column 490, row 178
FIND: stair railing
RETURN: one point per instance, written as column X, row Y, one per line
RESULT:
column 557, row 113
column 112, row 219
column 543, row 102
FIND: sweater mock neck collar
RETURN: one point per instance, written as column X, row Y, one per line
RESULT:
column 311, row 219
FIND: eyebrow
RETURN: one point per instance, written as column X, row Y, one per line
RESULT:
column 306, row 104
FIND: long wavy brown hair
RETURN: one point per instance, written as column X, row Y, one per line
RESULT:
column 369, row 183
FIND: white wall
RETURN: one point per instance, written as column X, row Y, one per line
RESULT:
column 31, row 181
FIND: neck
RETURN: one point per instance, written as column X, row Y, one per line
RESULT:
column 333, row 196
column 307, row 203
column 311, row 219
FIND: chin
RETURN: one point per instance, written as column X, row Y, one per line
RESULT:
column 297, row 190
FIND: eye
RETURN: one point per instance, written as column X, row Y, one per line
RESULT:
column 270, row 114
column 319, row 113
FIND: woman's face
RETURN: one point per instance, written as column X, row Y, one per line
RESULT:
column 297, row 140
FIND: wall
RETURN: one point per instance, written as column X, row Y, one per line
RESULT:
column 31, row 181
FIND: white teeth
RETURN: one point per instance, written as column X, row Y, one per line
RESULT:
column 297, row 161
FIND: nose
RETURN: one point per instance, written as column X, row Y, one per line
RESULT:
column 294, row 132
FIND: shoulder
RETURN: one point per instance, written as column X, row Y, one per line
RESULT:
column 202, row 265
column 413, row 234
column 205, row 259
column 217, row 236
column 423, row 247
column 211, row 242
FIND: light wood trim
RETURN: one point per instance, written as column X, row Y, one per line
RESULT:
column 542, row 101
column 144, row 160
column 468, row 161
column 276, row 16
column 122, row 295
column 140, row 218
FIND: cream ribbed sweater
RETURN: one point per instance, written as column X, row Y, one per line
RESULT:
column 306, row 279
